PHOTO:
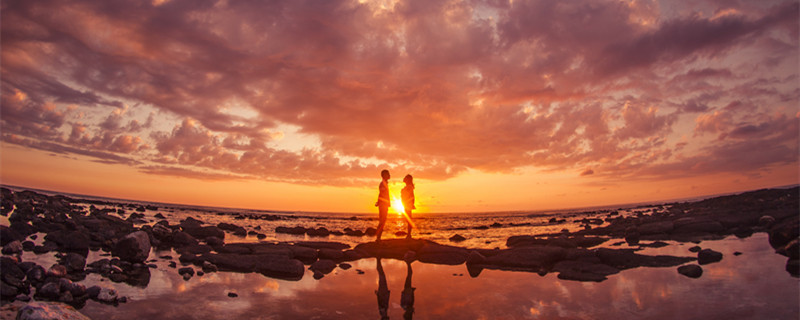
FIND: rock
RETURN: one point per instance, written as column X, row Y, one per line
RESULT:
column 791, row 249
column 691, row 270
column 7, row 290
column 74, row 262
column 696, row 225
column 93, row 291
column 793, row 267
column 36, row 274
column 409, row 256
column 441, row 254
column 22, row 297
column 656, row 244
column 626, row 259
column 475, row 257
column 159, row 216
column 695, row 249
column 134, row 247
column 190, row 223
column 233, row 294
column 345, row 266
column 371, row 232
column 13, row 247
column 656, row 227
column 766, row 221
column 107, row 295
column 292, row 230
column 49, row 291
column 49, row 311
column 532, row 258
column 205, row 232
column 323, row 245
column 580, row 270
column 181, row 239
column 457, row 238
column 74, row 241
column 209, row 267
column 28, row 245
column 323, row 265
column 272, row 265
column 186, row 277
column 707, row 256
column 214, row 241
column 57, row 270
column 8, row 235
column 331, row 254
column 186, row 270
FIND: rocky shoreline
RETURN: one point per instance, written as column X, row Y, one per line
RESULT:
column 587, row 255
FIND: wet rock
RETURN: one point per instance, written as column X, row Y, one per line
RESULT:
column 7, row 290
column 323, row 245
column 766, row 221
column 793, row 267
column 697, row 224
column 691, row 271
column 656, row 244
column 695, row 249
column 36, row 274
column 457, row 238
column 190, row 222
column 441, row 254
column 273, row 265
column 49, row 311
column 626, row 259
column 134, row 247
column 74, row 262
column 74, row 241
column 790, row 249
column 707, row 256
column 656, row 227
column 57, row 270
column 532, row 258
column 345, row 266
column 290, row 230
column 324, row 266
column 390, row 248
column 28, row 245
column 331, row 254
column 186, row 270
column 318, row 232
column 233, row 294
column 475, row 257
column 205, row 232
column 209, row 267
column 159, row 216
column 8, row 235
column 13, row 247
column 49, row 291
column 107, row 295
column 371, row 232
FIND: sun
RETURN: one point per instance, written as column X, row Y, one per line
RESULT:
column 397, row 205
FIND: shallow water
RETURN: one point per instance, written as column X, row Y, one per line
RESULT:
column 753, row 285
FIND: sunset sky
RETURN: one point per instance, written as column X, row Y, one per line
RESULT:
column 492, row 105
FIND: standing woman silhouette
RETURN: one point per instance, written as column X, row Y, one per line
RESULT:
column 407, row 194
column 383, row 202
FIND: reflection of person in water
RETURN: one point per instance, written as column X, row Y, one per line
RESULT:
column 407, row 297
column 382, row 292
column 383, row 202
column 407, row 194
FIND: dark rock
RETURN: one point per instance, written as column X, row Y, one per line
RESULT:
column 209, row 267
column 766, row 221
column 74, row 241
column 7, row 290
column 49, row 310
column 707, row 256
column 626, row 259
column 532, row 258
column 107, row 295
column 791, row 249
column 13, row 247
column 457, row 238
column 191, row 223
column 331, row 254
column 324, row 266
column 345, row 266
column 292, row 230
column 22, row 297
column 352, row 255
column 232, row 294
column 656, row 244
column 159, row 216
column 186, row 270
column 691, row 270
column 390, row 248
column 441, row 254
column 36, row 274
column 49, row 291
column 580, row 270
column 371, row 232
column 695, row 249
column 134, row 247
column 93, row 291
column 793, row 267
column 697, row 224
column 180, row 239
column 656, row 227
column 28, row 245
column 323, row 244
column 214, row 241
column 74, row 262
column 205, row 232
column 273, row 265
column 57, row 270
column 8, row 235
column 261, row 236
column 475, row 257
column 319, row 232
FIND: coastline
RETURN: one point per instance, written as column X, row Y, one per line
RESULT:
column 595, row 254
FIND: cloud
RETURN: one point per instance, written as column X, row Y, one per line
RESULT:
column 428, row 87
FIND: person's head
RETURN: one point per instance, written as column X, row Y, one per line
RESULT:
column 385, row 174
column 409, row 179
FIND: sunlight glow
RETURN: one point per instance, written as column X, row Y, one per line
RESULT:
column 397, row 205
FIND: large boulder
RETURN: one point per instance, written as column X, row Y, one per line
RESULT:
column 533, row 258
column 277, row 266
column 691, row 270
column 135, row 247
column 707, row 256
column 580, row 270
column 49, row 311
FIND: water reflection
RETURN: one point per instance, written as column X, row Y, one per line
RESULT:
column 383, row 292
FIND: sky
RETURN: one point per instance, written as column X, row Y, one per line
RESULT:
column 492, row 105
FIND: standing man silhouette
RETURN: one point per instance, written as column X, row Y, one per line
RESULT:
column 383, row 202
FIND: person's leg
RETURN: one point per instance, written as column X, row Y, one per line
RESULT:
column 383, row 212
column 408, row 223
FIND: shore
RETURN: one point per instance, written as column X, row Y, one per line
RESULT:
column 97, row 246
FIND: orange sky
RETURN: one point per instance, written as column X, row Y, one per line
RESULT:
column 491, row 105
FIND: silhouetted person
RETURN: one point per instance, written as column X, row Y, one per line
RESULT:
column 407, row 194
column 383, row 202
column 382, row 292
column 407, row 297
